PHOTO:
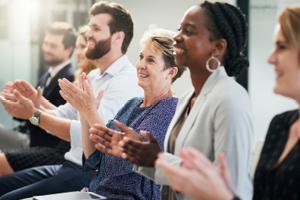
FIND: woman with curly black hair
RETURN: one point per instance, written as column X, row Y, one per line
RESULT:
column 277, row 175
column 213, row 116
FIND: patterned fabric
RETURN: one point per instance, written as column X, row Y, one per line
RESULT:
column 20, row 159
column 115, row 178
column 282, row 181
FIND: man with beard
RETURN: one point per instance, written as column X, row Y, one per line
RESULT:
column 29, row 145
column 111, row 30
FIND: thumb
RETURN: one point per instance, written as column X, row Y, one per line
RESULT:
column 18, row 96
column 100, row 95
column 39, row 92
column 148, row 136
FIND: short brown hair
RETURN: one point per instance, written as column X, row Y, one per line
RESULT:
column 65, row 29
column 161, row 40
column 289, row 20
column 121, row 20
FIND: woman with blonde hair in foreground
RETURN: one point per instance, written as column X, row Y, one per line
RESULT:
column 277, row 174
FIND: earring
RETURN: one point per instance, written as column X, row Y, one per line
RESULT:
column 207, row 64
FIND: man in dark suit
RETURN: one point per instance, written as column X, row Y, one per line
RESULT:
column 57, row 48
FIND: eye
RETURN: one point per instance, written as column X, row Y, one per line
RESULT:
column 151, row 60
column 188, row 32
column 82, row 46
column 281, row 47
column 179, row 29
column 141, row 57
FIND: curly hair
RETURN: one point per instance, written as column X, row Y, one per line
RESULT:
column 228, row 22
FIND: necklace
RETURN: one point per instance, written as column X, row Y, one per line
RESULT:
column 167, row 94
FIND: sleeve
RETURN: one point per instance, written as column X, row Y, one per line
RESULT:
column 93, row 162
column 66, row 111
column 156, row 122
column 234, row 135
column 117, row 93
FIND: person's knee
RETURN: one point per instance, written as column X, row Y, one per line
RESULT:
column 5, row 167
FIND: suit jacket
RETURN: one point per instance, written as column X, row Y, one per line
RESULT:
column 38, row 136
column 220, row 120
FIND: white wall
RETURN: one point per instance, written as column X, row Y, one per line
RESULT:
column 261, row 74
column 15, row 57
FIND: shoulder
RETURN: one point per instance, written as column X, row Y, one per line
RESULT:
column 286, row 117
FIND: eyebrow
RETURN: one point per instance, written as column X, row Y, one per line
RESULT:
column 94, row 25
column 189, row 25
column 280, row 42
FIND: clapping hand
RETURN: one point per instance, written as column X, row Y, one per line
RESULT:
column 198, row 176
column 108, row 140
column 139, row 152
column 26, row 90
column 82, row 97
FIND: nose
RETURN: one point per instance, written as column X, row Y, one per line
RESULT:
column 88, row 34
column 177, row 37
column 141, row 64
column 272, row 57
column 77, row 52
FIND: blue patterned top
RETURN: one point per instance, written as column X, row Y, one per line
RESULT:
column 115, row 178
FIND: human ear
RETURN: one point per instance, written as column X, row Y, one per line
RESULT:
column 119, row 36
column 172, row 72
column 220, row 47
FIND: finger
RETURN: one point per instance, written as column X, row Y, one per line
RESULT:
column 102, row 148
column 122, row 127
column 18, row 85
column 108, row 132
column 66, row 89
column 99, row 96
column 100, row 134
column 9, row 96
column 149, row 136
column 27, row 85
column 99, row 140
column 80, row 82
column 65, row 96
column 195, row 154
column 39, row 92
column 19, row 97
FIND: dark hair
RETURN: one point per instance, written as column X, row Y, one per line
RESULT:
column 161, row 40
column 65, row 29
column 121, row 20
column 228, row 22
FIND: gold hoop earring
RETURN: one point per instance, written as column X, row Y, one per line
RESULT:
column 207, row 64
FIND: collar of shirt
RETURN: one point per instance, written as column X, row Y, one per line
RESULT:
column 117, row 66
column 55, row 70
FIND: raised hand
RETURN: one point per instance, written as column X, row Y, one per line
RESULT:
column 197, row 183
column 82, row 98
column 22, row 108
column 139, row 152
column 7, row 91
column 108, row 140
column 26, row 90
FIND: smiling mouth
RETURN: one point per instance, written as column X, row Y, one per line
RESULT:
column 90, row 43
column 278, row 74
column 143, row 75
column 178, row 50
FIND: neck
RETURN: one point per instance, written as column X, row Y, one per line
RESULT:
column 64, row 60
column 198, row 79
column 108, row 59
column 151, row 97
